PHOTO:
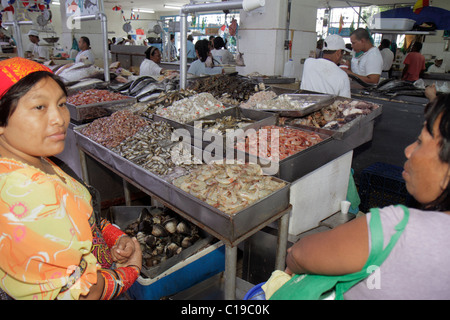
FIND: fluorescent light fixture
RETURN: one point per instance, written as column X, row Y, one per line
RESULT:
column 56, row 3
column 143, row 10
column 173, row 6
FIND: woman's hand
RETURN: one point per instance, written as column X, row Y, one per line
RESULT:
column 123, row 249
column 133, row 248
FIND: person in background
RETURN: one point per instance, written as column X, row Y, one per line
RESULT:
column 421, row 248
column 85, row 55
column 52, row 246
column 190, row 48
column 414, row 64
column 5, row 39
column 211, row 42
column 129, row 41
column 367, row 66
column 171, row 49
column 323, row 74
column 199, row 67
column 438, row 67
column 150, row 65
column 319, row 48
column 34, row 50
column 220, row 53
column 388, row 57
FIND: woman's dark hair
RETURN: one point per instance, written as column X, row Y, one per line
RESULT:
column 218, row 43
column 10, row 100
column 86, row 40
column 440, row 107
column 150, row 52
column 201, row 46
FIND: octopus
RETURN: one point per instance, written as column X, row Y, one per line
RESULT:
column 228, row 187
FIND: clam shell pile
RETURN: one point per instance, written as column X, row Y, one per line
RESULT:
column 151, row 148
column 161, row 235
column 228, row 187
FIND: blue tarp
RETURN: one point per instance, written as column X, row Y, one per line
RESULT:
column 439, row 16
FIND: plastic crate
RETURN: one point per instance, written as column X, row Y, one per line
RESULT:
column 381, row 185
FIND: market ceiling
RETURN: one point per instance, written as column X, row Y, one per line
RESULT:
column 158, row 5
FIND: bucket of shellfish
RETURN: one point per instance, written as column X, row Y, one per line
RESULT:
column 165, row 238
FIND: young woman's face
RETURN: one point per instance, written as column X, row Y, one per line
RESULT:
column 426, row 176
column 38, row 126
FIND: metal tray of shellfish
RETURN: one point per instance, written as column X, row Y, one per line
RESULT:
column 165, row 238
column 301, row 163
column 89, row 112
column 301, row 104
column 212, row 129
column 341, row 126
column 226, row 227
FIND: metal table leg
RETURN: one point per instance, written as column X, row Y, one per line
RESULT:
column 230, row 272
column 127, row 193
column 283, row 230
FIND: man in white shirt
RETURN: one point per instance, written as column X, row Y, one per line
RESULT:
column 368, row 66
column 85, row 55
column 387, row 55
column 438, row 66
column 323, row 74
column 34, row 50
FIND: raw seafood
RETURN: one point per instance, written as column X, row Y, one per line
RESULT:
column 262, row 143
column 192, row 108
column 228, row 187
column 94, row 96
column 110, row 131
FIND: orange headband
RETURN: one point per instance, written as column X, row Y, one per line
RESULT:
column 14, row 69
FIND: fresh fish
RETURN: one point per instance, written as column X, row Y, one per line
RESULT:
column 80, row 71
column 151, row 87
column 364, row 84
column 395, row 85
column 121, row 87
column 415, row 93
column 139, row 83
column 152, row 95
column 85, row 83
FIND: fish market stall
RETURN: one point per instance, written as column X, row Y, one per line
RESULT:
column 138, row 145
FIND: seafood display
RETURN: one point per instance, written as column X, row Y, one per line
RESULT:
column 220, row 125
column 94, row 96
column 258, row 97
column 73, row 72
column 110, row 131
column 164, row 100
column 192, row 108
column 336, row 115
column 290, row 141
column 151, row 148
column 228, row 187
column 161, row 234
column 227, row 88
column 289, row 102
column 145, row 88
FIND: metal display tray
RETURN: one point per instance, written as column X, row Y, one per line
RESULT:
column 297, row 165
column 93, row 111
column 273, row 79
column 349, row 128
column 318, row 102
column 228, row 228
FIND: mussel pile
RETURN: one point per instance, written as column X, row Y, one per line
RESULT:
column 229, row 89
column 161, row 235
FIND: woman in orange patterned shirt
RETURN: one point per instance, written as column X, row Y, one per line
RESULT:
column 46, row 217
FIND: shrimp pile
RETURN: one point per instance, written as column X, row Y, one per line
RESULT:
column 228, row 187
column 191, row 108
column 263, row 143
